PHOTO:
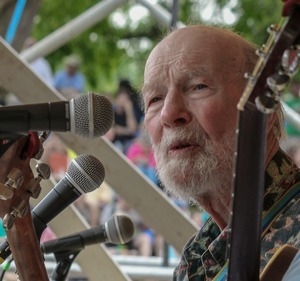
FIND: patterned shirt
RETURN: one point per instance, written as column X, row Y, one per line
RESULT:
column 205, row 253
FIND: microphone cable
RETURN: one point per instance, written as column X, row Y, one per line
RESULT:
column 5, row 267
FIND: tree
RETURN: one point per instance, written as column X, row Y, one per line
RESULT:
column 111, row 50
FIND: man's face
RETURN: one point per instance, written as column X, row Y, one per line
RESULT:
column 190, row 115
column 71, row 69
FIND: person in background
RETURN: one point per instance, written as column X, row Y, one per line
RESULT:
column 126, row 86
column 91, row 204
column 140, row 153
column 56, row 156
column 125, row 126
column 193, row 80
column 143, row 242
column 70, row 81
column 40, row 65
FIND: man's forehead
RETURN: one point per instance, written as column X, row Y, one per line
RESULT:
column 195, row 62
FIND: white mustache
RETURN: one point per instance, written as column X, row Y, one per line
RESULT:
column 192, row 134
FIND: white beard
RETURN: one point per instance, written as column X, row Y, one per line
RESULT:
column 208, row 172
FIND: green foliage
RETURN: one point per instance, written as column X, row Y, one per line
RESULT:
column 255, row 17
column 110, row 52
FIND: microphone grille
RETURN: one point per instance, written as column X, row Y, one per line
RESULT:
column 86, row 172
column 119, row 229
column 93, row 115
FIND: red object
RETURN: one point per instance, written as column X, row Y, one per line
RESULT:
column 287, row 6
column 33, row 146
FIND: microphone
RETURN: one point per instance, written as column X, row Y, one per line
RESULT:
column 85, row 173
column 117, row 230
column 88, row 115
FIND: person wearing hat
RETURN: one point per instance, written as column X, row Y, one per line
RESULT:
column 70, row 81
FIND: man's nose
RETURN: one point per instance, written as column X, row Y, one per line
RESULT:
column 175, row 111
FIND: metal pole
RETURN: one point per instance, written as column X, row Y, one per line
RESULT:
column 175, row 10
column 161, row 14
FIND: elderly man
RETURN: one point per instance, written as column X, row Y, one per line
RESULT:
column 193, row 81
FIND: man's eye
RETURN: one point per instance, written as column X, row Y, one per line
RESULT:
column 153, row 100
column 200, row 86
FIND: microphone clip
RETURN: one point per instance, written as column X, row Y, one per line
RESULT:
column 64, row 261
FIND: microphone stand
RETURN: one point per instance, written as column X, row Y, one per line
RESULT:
column 64, row 261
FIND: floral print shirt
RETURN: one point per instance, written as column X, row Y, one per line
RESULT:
column 205, row 254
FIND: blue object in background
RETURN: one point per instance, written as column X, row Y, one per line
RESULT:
column 15, row 20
